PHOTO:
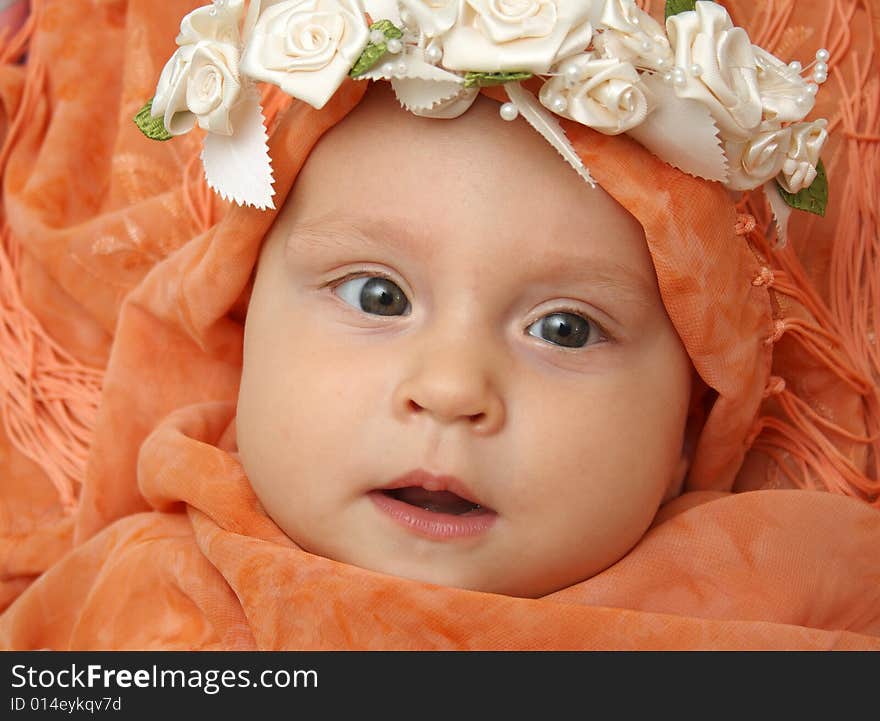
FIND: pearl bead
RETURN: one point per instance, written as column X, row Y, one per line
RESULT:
column 696, row 70
column 377, row 36
column 661, row 63
column 572, row 74
column 508, row 111
column 433, row 54
column 821, row 68
column 796, row 66
column 646, row 45
column 394, row 46
column 558, row 104
column 635, row 20
column 822, row 55
column 679, row 81
column 387, row 69
column 819, row 78
column 803, row 100
column 667, row 77
column 812, row 88
column 401, row 68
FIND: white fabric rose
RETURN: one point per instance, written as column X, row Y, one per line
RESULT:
column 727, row 82
column 201, row 83
column 799, row 168
column 306, row 47
column 630, row 34
column 434, row 17
column 754, row 161
column 607, row 97
column 783, row 91
column 495, row 36
column 219, row 22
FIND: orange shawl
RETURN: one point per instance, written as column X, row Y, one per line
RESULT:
column 125, row 286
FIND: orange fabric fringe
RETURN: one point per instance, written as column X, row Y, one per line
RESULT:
column 811, row 445
column 48, row 399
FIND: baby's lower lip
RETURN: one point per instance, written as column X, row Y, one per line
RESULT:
column 430, row 524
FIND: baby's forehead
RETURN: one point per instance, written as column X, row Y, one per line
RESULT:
column 477, row 187
column 496, row 161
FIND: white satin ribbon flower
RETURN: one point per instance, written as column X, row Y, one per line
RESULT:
column 784, row 92
column 306, row 47
column 799, row 168
column 495, row 36
column 434, row 17
column 601, row 93
column 755, row 161
column 201, row 83
column 630, row 34
column 717, row 67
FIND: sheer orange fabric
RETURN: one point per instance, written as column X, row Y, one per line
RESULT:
column 125, row 284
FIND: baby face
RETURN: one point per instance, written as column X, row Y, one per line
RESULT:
column 446, row 307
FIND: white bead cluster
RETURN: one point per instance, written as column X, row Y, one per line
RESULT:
column 820, row 71
column 391, row 69
column 819, row 76
column 678, row 76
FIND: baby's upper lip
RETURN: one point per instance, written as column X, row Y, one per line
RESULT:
column 430, row 482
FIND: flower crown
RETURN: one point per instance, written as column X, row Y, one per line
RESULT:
column 700, row 96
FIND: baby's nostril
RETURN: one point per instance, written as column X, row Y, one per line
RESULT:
column 413, row 406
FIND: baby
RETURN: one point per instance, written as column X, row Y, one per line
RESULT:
column 458, row 367
column 468, row 401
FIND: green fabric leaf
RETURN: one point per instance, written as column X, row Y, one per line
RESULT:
column 389, row 28
column 674, row 7
column 484, row 79
column 374, row 51
column 813, row 199
column 369, row 57
column 153, row 128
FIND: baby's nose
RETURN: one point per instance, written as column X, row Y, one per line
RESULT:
column 451, row 385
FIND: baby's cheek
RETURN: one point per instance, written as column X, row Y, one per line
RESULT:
column 324, row 400
column 609, row 436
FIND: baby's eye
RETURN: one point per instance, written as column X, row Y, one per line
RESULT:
column 565, row 329
column 374, row 294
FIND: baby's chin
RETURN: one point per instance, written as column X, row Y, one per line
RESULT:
column 496, row 579
column 490, row 565
column 458, row 574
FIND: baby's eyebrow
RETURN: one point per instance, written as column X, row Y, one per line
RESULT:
column 597, row 272
column 344, row 234
column 339, row 233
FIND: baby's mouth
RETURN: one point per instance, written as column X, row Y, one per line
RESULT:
column 437, row 501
